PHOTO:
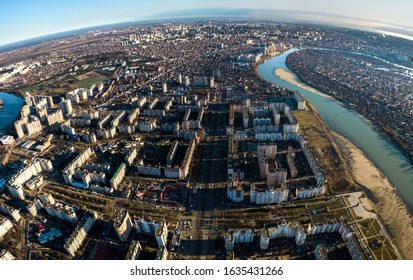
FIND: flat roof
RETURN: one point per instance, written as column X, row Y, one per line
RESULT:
column 6, row 137
column 122, row 166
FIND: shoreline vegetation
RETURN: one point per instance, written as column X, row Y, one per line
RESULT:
column 393, row 214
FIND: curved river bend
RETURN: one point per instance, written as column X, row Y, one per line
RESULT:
column 384, row 154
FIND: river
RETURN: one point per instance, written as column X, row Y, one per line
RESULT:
column 385, row 155
column 10, row 110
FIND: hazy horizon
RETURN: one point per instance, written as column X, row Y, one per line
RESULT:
column 28, row 19
column 312, row 18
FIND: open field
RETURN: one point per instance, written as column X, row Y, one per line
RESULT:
column 88, row 75
column 329, row 216
column 385, row 251
column 325, row 151
column 371, row 232
column 32, row 88
column 44, row 87
column 370, row 227
column 87, row 83
column 329, row 204
column 53, row 88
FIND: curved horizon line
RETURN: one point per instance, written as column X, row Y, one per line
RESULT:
column 288, row 11
column 165, row 16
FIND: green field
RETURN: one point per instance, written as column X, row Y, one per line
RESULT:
column 385, row 252
column 329, row 216
column 370, row 227
column 33, row 88
column 87, row 83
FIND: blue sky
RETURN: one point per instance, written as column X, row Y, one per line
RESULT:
column 23, row 19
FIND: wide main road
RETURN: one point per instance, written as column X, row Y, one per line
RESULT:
column 205, row 200
column 209, row 170
column 196, row 245
column 210, row 163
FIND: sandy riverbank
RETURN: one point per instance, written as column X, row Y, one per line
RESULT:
column 294, row 80
column 383, row 196
column 386, row 203
column 290, row 78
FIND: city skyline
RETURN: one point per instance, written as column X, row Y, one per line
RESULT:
column 49, row 17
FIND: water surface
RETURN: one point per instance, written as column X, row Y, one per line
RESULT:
column 10, row 110
column 387, row 156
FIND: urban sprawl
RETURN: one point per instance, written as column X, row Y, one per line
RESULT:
column 162, row 142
